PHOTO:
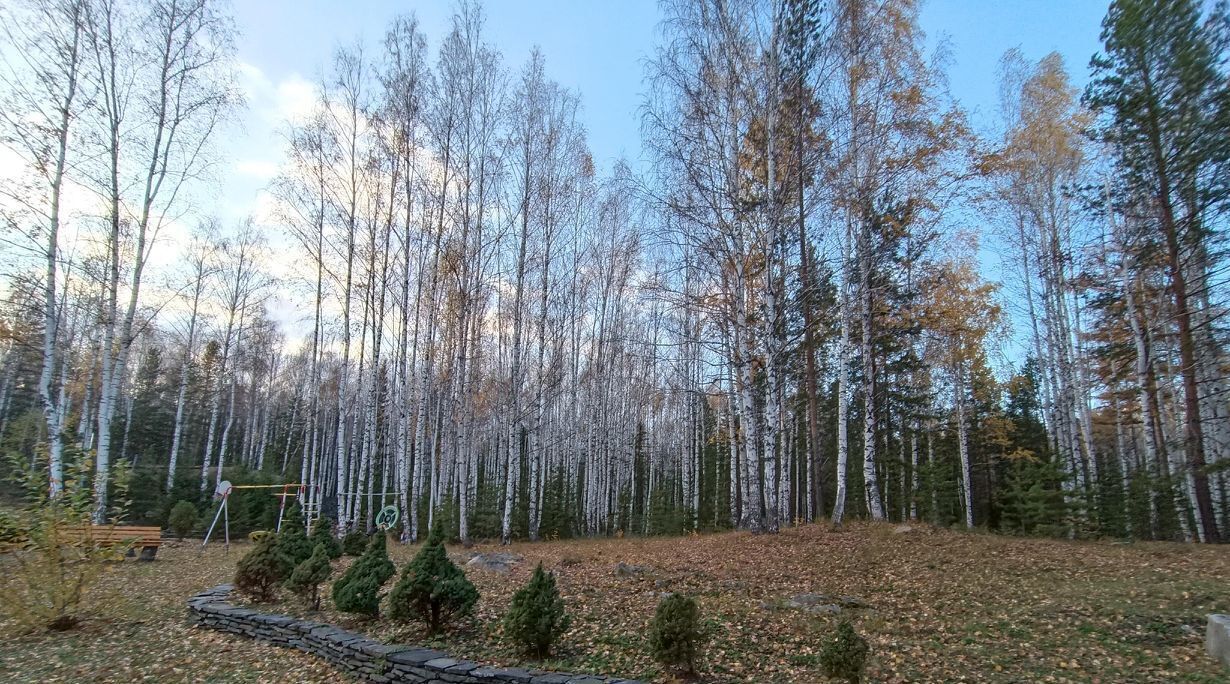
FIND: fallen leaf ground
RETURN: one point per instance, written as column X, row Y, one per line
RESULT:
column 943, row 607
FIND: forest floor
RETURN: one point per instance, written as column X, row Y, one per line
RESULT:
column 943, row 606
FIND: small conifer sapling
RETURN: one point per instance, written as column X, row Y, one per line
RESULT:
column 536, row 616
column 675, row 635
column 322, row 534
column 292, row 540
column 307, row 576
column 432, row 588
column 358, row 591
column 262, row 569
column 845, row 655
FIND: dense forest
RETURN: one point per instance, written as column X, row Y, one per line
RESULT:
column 784, row 313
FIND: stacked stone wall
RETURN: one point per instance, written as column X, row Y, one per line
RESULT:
column 360, row 656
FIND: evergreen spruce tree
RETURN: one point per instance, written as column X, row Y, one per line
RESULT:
column 307, row 576
column 263, row 568
column 536, row 616
column 322, row 535
column 432, row 588
column 292, row 540
column 358, row 591
column 1163, row 92
column 1033, row 500
column 675, row 636
column 354, row 543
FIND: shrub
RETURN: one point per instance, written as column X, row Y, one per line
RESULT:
column 307, row 576
column 53, row 570
column 358, row 591
column 263, row 568
column 431, row 587
column 675, row 636
column 183, row 518
column 11, row 531
column 53, row 563
column 845, row 655
column 322, row 534
column 292, row 540
column 361, row 596
column 536, row 617
column 354, row 543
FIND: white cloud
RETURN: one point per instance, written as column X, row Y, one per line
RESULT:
column 296, row 97
column 290, row 98
column 260, row 169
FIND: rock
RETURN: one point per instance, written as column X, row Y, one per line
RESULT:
column 852, row 602
column 816, row 604
column 823, row 609
column 495, row 562
column 903, row 529
column 1217, row 638
column 463, row 667
column 503, row 674
column 414, row 656
column 626, row 570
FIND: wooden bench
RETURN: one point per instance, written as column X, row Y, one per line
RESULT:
column 147, row 539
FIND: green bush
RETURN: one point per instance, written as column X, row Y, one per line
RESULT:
column 431, row 587
column 11, row 531
column 675, row 636
column 536, row 616
column 307, row 576
column 292, row 540
column 358, row 591
column 48, row 574
column 354, row 543
column 322, row 534
column 845, row 655
column 183, row 518
column 360, row 596
column 263, row 568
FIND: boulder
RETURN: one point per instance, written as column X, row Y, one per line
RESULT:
column 1217, row 638
column 495, row 562
column 626, row 570
column 816, row 604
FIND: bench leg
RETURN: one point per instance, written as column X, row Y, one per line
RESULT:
column 148, row 552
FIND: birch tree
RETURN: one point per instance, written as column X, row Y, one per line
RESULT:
column 161, row 98
column 44, row 88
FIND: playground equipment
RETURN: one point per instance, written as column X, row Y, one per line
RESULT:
column 386, row 519
column 222, row 494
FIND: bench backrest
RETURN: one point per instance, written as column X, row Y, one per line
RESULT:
column 110, row 534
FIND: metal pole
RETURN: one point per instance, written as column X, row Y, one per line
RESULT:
column 221, row 507
column 226, row 517
column 281, row 508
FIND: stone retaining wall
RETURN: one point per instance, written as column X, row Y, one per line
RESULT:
column 364, row 658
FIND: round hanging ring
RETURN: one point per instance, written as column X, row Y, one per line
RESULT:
column 387, row 517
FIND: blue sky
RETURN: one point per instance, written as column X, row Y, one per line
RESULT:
column 595, row 47
column 598, row 47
